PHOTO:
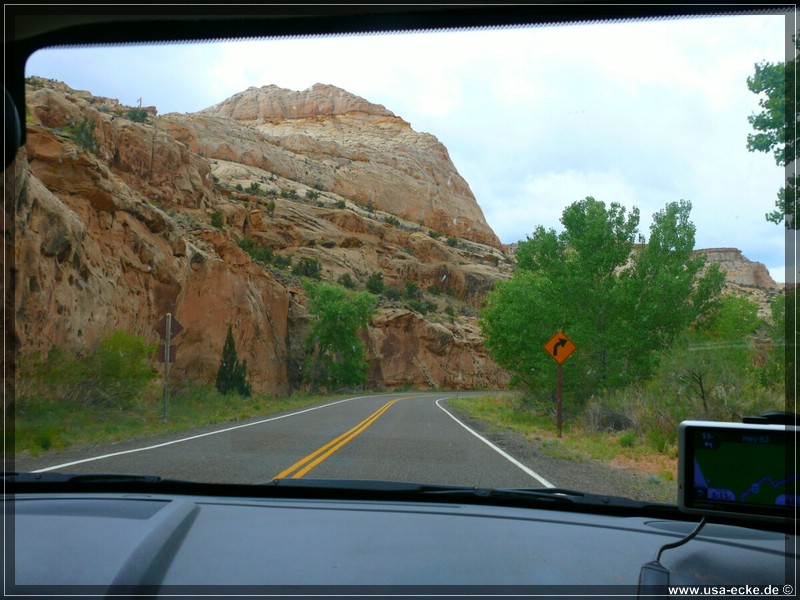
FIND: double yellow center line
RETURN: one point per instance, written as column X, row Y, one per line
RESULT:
column 304, row 465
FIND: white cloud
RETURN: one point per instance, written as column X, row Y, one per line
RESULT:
column 637, row 113
column 540, row 199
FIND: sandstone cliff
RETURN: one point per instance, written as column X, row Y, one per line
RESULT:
column 152, row 219
column 150, row 222
column 328, row 138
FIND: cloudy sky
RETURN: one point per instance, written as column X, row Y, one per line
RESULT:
column 534, row 119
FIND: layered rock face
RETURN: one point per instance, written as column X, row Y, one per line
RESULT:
column 739, row 269
column 745, row 277
column 92, row 257
column 331, row 139
column 150, row 220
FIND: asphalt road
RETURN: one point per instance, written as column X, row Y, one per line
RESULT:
column 413, row 437
column 397, row 437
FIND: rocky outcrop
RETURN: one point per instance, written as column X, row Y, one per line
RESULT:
column 406, row 350
column 150, row 220
column 330, row 139
column 745, row 277
column 739, row 269
column 94, row 258
column 275, row 104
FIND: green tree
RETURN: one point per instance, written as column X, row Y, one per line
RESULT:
column 232, row 374
column 776, row 128
column 619, row 304
column 776, row 359
column 335, row 351
column 720, row 352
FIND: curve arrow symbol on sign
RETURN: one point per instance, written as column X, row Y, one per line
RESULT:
column 559, row 347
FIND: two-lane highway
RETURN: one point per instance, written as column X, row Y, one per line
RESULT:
column 398, row 437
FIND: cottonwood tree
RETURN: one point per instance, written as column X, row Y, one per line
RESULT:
column 619, row 302
column 776, row 129
column 335, row 352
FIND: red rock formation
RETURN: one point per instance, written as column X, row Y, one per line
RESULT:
column 116, row 239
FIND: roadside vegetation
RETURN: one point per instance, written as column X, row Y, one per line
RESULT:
column 579, row 441
column 657, row 340
column 114, row 393
column 335, row 354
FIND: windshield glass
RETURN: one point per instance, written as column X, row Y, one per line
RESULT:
column 507, row 258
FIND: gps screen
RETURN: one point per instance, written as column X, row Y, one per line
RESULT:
column 741, row 469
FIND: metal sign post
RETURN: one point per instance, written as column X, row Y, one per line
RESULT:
column 166, row 366
column 165, row 328
column 559, row 347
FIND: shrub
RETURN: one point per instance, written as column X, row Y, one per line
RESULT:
column 137, row 115
column 307, row 267
column 282, row 261
column 217, row 220
column 239, row 187
column 255, row 187
column 452, row 241
column 341, row 204
column 412, row 291
column 261, row 254
column 418, row 306
column 347, row 281
column 392, row 220
column 375, row 283
column 434, row 234
column 312, row 195
column 84, row 136
column 390, row 292
column 112, row 374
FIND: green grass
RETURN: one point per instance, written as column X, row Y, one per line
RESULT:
column 43, row 425
column 506, row 412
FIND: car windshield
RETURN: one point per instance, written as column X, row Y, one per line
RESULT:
column 502, row 257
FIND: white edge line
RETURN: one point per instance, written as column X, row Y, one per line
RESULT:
column 194, row 437
column 502, row 453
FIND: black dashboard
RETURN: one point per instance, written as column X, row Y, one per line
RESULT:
column 167, row 544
